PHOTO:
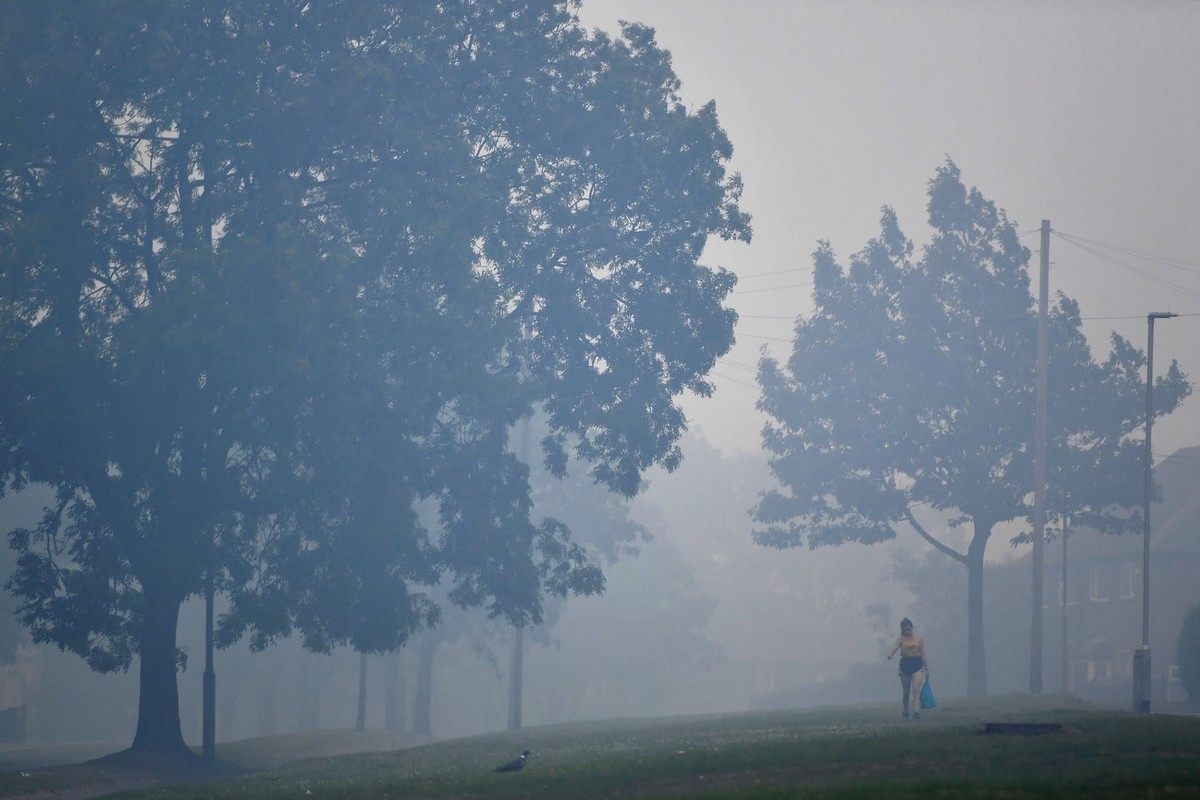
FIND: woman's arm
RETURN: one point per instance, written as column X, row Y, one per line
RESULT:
column 895, row 647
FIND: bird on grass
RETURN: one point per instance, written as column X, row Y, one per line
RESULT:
column 514, row 765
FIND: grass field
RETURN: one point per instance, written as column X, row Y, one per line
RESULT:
column 847, row 752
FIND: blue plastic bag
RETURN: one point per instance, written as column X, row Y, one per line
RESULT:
column 927, row 698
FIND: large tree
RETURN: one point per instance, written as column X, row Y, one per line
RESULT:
column 273, row 274
column 908, row 400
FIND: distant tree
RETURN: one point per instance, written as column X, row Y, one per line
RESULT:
column 634, row 651
column 599, row 523
column 265, row 270
column 483, row 636
column 426, row 645
column 909, row 395
column 1188, row 653
column 599, row 519
column 395, row 701
column 11, row 632
column 16, row 511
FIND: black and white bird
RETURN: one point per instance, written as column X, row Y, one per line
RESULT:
column 514, row 765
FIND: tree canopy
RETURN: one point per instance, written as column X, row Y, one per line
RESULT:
column 908, row 401
column 274, row 274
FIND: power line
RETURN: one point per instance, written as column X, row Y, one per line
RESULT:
column 1078, row 242
column 732, row 379
column 1177, row 262
column 1091, row 246
column 767, row 338
column 772, row 288
column 767, row 274
column 738, row 364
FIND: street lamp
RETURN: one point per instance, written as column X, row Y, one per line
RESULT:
column 1141, row 656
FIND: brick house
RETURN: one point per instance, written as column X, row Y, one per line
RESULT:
column 1103, row 609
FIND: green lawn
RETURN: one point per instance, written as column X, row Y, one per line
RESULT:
column 848, row 752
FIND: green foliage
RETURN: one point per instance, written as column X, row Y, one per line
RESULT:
column 912, row 385
column 1188, row 653
column 273, row 275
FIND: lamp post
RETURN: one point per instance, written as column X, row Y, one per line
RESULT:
column 1141, row 656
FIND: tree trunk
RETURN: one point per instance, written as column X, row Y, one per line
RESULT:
column 308, row 706
column 360, row 721
column 231, row 691
column 268, row 684
column 516, row 679
column 393, row 694
column 158, row 728
column 423, row 710
column 976, row 660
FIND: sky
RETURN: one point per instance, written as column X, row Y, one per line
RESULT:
column 1083, row 113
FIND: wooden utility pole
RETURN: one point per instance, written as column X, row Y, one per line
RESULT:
column 1039, row 471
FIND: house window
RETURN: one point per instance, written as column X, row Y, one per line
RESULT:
column 1098, row 583
column 1128, row 573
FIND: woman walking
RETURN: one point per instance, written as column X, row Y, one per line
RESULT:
column 914, row 666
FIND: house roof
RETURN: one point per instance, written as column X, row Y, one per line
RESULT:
column 1175, row 521
column 1174, row 518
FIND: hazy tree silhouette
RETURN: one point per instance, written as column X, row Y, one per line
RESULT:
column 265, row 274
column 910, row 389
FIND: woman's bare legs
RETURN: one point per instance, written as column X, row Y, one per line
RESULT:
column 918, row 680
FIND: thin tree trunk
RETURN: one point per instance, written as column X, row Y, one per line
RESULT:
column 158, row 728
column 393, row 694
column 231, row 691
column 516, row 680
column 266, row 696
column 423, row 710
column 309, row 705
column 360, row 722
